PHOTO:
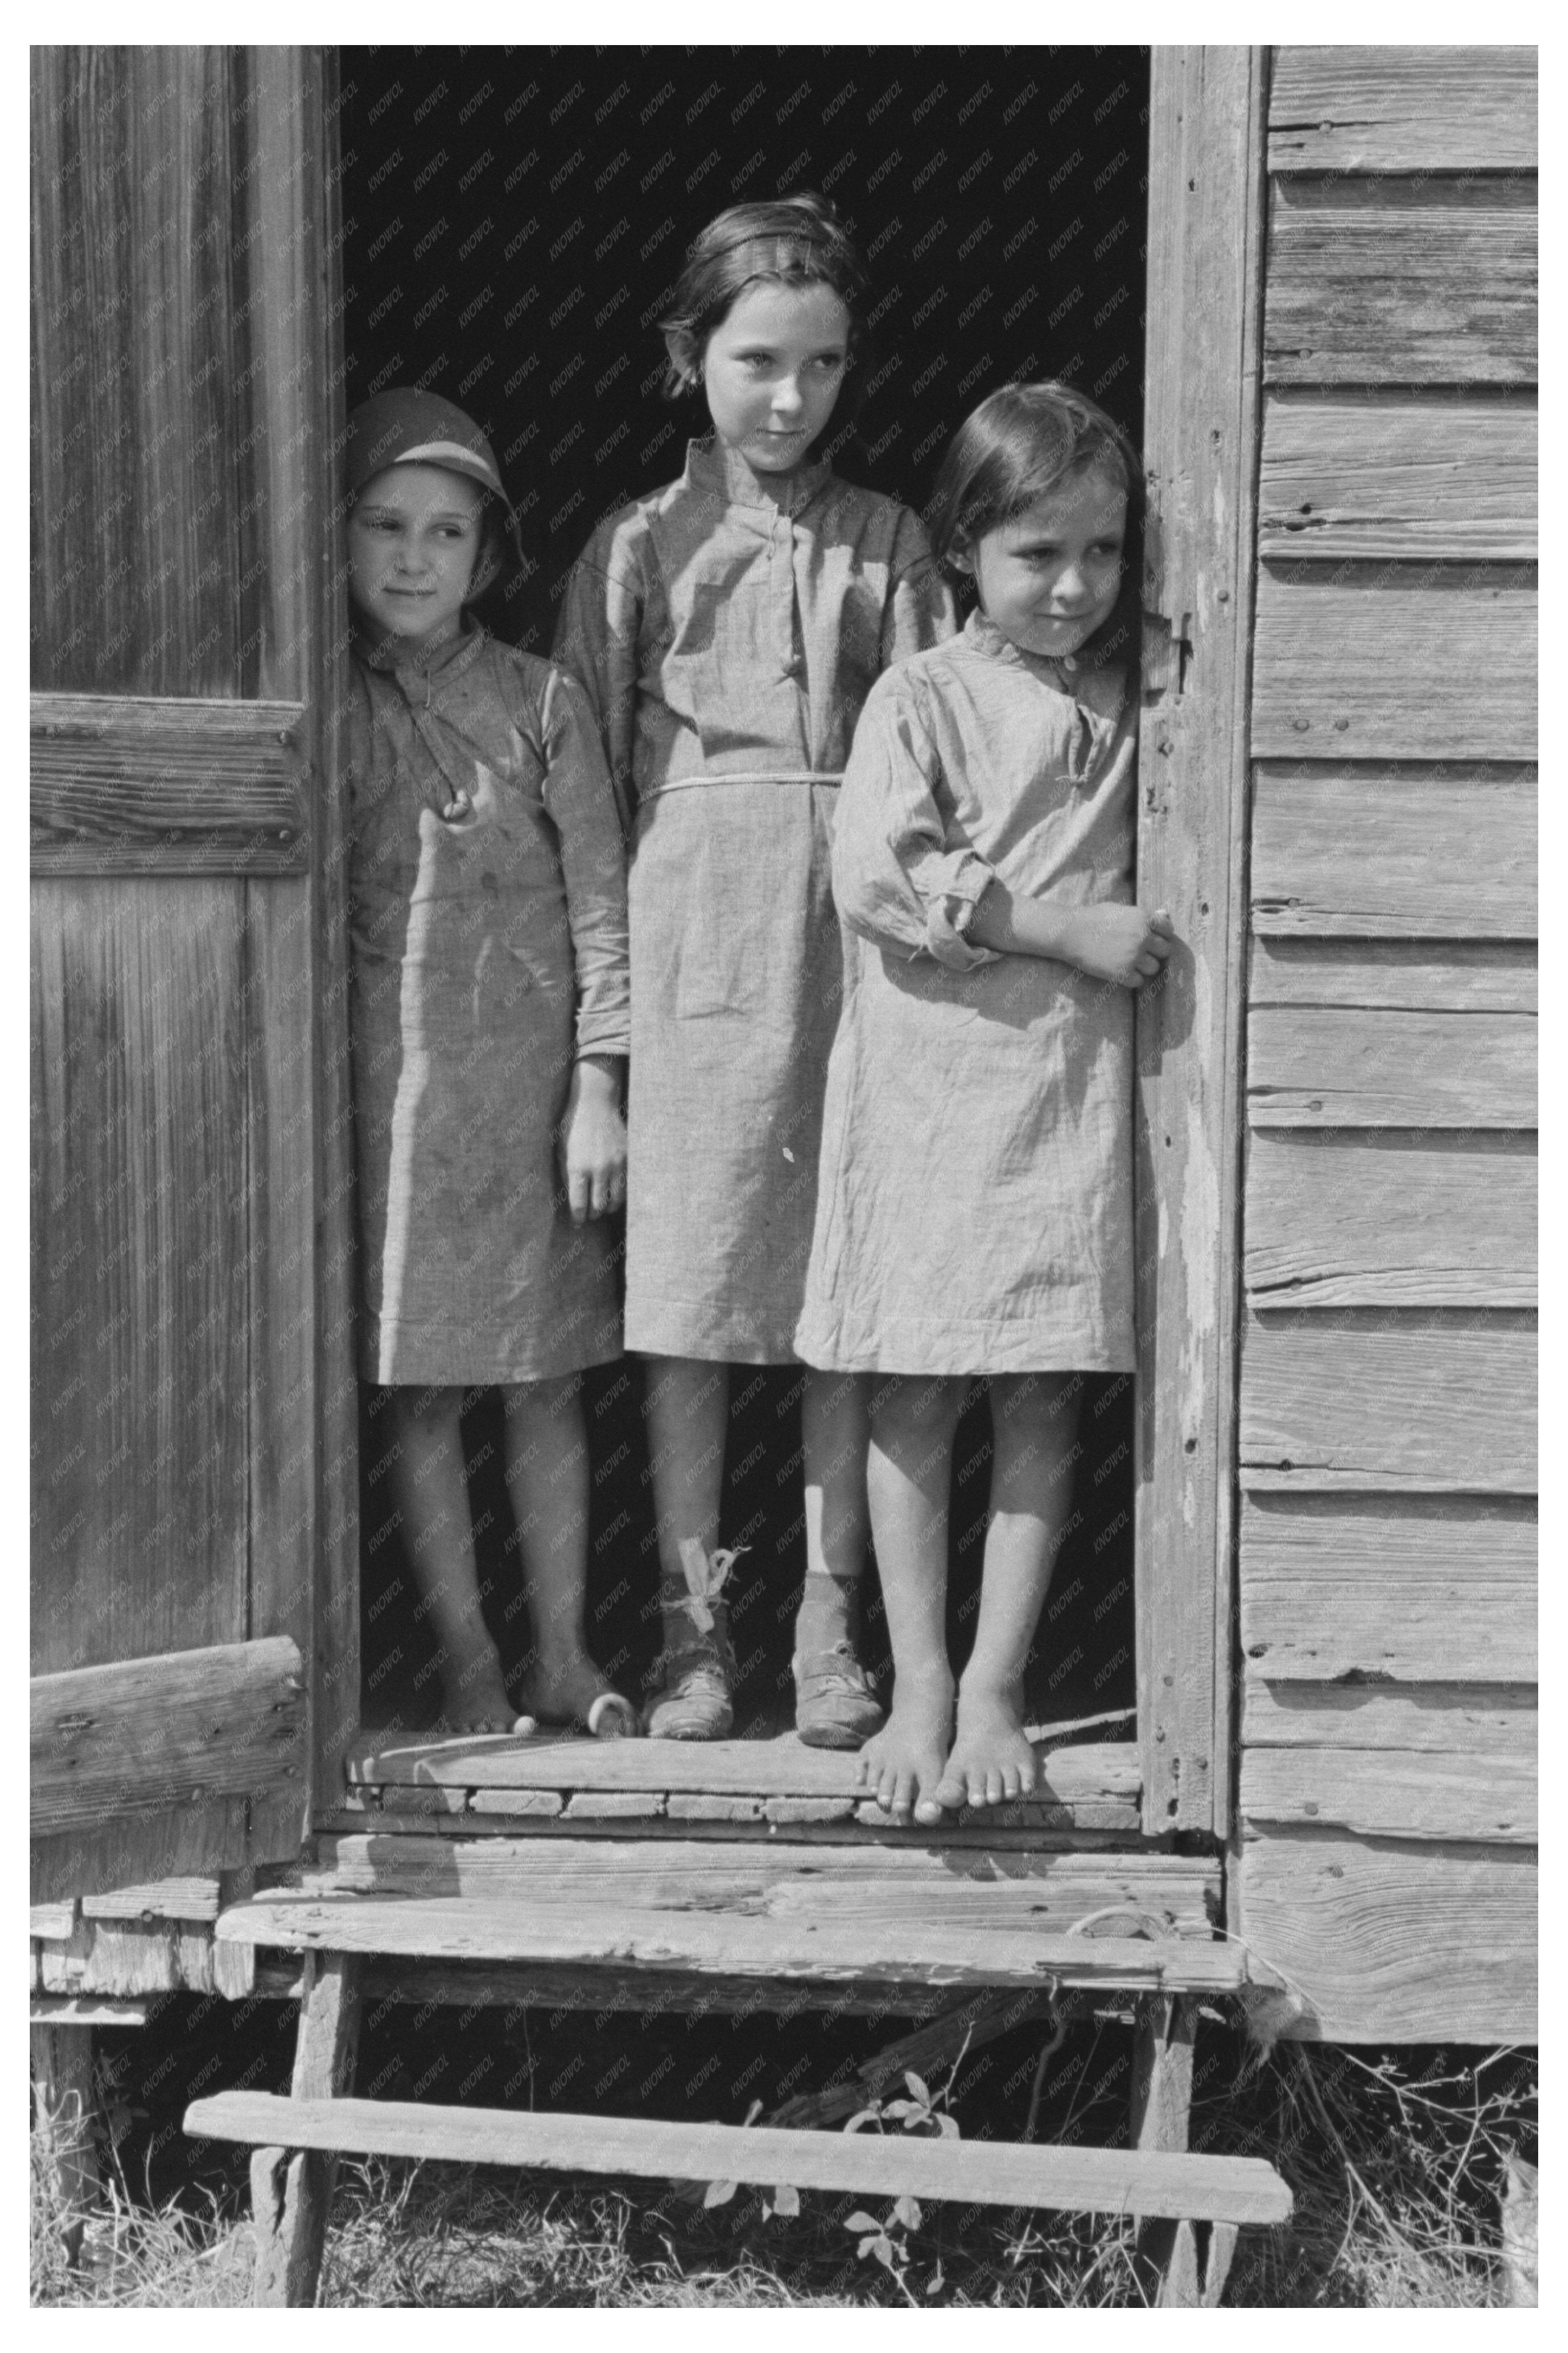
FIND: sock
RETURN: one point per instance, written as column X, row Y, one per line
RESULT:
column 829, row 1612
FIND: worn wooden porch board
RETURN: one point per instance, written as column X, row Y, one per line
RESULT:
column 1175, row 1895
column 1327, row 648
column 1389, row 1586
column 1394, row 1793
column 1424, row 851
column 1397, row 477
column 1118, row 2181
column 1390, row 1220
column 904, row 1947
column 1327, row 1401
column 1393, row 1942
column 1455, row 1719
column 780, row 1767
column 1345, row 1066
column 1373, row 107
column 1400, row 281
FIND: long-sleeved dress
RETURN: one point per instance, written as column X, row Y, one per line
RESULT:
column 728, row 642
column 974, row 1211
column 487, row 952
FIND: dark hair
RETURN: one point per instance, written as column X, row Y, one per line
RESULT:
column 1014, row 449
column 798, row 241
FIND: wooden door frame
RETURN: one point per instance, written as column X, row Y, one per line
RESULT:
column 1206, row 229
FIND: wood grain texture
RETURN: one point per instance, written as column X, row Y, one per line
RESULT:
column 1390, row 1943
column 1405, row 1588
column 1449, row 1719
column 1327, row 1402
column 789, row 1883
column 144, row 1735
column 614, row 1993
column 181, row 1841
column 128, row 1960
column 1235, row 2189
column 127, row 785
column 1430, row 851
column 1405, row 283
column 783, row 1767
column 1364, row 667
column 1355, row 476
column 1371, row 108
column 1395, row 976
column 1390, row 1220
column 139, row 1242
column 1394, row 1793
column 1201, row 392
column 159, row 1899
column 903, row 1951
column 1342, row 1066
column 291, row 2189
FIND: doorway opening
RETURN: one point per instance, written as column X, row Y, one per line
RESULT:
column 513, row 222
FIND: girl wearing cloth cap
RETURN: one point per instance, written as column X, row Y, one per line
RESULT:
column 488, row 990
column 727, row 628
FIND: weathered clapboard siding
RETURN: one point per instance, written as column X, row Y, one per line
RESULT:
column 1418, row 852
column 1341, row 1402
column 1429, row 108
column 1387, row 1448
column 1348, row 1066
column 1391, row 1941
column 1404, row 1588
column 1378, row 281
column 1321, row 1210
column 1437, row 663
column 1469, row 1719
column 1343, row 478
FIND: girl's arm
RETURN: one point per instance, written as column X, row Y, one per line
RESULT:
column 896, row 878
column 1108, row 941
column 596, row 644
column 920, row 610
column 581, row 804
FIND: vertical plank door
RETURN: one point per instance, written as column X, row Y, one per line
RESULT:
column 192, row 1401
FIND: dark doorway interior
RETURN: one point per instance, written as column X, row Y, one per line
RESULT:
column 513, row 222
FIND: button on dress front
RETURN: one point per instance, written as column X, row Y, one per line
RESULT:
column 728, row 629
column 487, row 952
column 974, row 1212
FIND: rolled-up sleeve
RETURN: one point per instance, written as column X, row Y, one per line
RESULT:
column 901, row 877
column 920, row 611
column 596, row 644
column 582, row 807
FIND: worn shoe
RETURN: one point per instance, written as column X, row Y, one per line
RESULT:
column 691, row 1697
column 834, row 1707
column 694, row 1679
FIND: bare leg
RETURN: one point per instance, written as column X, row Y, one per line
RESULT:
column 689, row 1414
column 547, row 1475
column 908, row 1474
column 430, row 1488
column 1035, row 1420
column 836, row 1431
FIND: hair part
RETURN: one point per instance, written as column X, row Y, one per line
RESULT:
column 1021, row 443
column 797, row 241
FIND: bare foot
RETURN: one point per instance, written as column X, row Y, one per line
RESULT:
column 991, row 1761
column 474, row 1696
column 903, row 1764
column 571, row 1690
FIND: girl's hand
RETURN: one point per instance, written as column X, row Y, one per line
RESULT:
column 593, row 1139
column 1118, row 944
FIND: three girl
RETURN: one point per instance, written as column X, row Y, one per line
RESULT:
column 973, row 1212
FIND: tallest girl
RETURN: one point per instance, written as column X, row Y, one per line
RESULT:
column 727, row 628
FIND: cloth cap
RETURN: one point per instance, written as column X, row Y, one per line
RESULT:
column 405, row 427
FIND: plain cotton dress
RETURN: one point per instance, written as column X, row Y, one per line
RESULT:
column 975, row 1209
column 728, row 629
column 487, row 882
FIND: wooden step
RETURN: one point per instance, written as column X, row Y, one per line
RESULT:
column 901, row 1946
column 1151, row 2183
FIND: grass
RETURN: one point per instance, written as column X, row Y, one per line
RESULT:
column 1395, row 2161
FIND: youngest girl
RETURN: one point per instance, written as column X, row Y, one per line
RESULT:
column 974, row 1210
column 489, row 1016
